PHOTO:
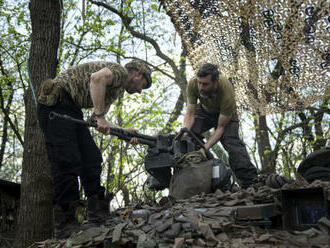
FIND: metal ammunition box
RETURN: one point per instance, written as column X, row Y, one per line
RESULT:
column 302, row 208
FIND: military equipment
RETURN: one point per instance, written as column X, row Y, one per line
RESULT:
column 221, row 176
column 220, row 219
column 302, row 208
column 191, row 180
column 163, row 151
column 119, row 132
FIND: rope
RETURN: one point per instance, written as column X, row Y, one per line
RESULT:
column 31, row 85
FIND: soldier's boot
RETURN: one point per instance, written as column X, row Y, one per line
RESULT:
column 249, row 183
column 97, row 211
column 65, row 221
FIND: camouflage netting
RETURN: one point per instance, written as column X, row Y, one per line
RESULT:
column 276, row 52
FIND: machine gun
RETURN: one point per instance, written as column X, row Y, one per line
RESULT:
column 119, row 132
column 163, row 150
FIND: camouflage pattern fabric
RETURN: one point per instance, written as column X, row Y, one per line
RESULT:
column 76, row 80
column 275, row 52
column 190, row 158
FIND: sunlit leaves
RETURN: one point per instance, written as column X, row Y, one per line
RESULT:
column 14, row 45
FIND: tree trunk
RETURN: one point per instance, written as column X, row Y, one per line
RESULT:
column 35, row 218
column 264, row 149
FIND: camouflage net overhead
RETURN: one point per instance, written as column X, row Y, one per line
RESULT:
column 276, row 52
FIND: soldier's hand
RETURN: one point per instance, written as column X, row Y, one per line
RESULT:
column 103, row 126
column 133, row 140
column 203, row 152
column 185, row 133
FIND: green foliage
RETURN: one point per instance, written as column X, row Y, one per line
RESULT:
column 294, row 135
column 14, row 44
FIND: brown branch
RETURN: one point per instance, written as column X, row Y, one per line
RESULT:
column 291, row 128
column 307, row 131
column 127, row 21
column 75, row 54
column 6, row 109
column 155, row 68
column 174, row 115
column 180, row 101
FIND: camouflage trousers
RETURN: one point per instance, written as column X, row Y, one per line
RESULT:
column 239, row 160
column 72, row 153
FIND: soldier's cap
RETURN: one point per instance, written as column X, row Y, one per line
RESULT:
column 143, row 67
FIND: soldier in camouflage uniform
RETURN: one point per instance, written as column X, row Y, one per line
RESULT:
column 217, row 108
column 71, row 149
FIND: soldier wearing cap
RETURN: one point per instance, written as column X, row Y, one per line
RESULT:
column 71, row 149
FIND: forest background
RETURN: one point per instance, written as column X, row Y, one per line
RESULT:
column 91, row 30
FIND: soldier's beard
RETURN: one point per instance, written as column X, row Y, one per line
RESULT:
column 130, row 89
column 205, row 94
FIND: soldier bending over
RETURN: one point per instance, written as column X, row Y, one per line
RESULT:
column 217, row 108
column 71, row 149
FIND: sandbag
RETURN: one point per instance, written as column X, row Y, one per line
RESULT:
column 191, row 180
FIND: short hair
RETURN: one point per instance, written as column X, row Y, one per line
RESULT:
column 209, row 69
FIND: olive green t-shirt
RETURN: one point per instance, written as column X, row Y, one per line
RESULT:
column 76, row 82
column 222, row 100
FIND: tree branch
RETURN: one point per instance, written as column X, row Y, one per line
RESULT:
column 6, row 109
column 127, row 21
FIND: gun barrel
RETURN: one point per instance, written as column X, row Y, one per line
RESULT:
column 53, row 116
column 126, row 135
column 119, row 132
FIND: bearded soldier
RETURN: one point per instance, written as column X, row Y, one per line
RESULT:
column 211, row 103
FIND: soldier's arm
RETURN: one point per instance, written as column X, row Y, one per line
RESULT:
column 99, row 81
column 98, row 84
column 189, row 117
column 222, row 122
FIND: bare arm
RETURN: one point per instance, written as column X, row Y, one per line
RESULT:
column 99, row 81
column 222, row 122
column 189, row 117
column 98, row 84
